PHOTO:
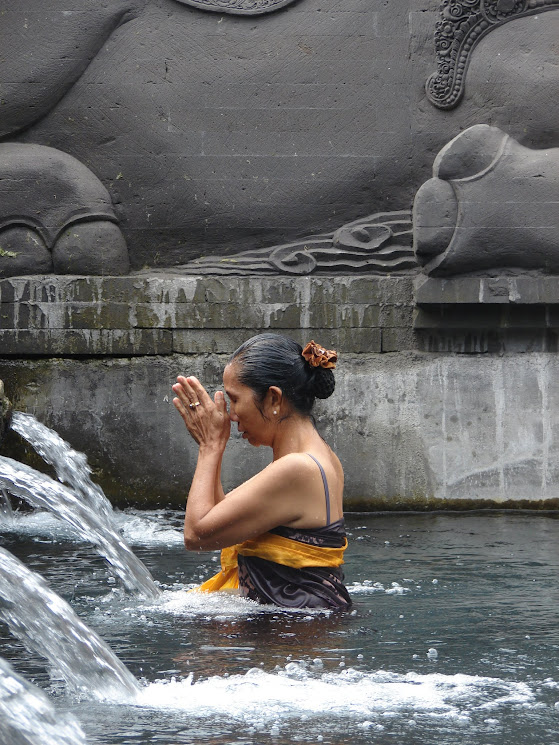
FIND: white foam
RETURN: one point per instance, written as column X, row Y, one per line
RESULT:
column 140, row 528
column 368, row 587
column 299, row 689
column 148, row 528
column 184, row 602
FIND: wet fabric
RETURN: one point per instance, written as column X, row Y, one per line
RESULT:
column 316, row 586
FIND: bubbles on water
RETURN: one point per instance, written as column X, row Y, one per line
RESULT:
column 268, row 700
column 368, row 586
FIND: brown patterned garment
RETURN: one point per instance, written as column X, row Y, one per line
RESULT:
column 311, row 587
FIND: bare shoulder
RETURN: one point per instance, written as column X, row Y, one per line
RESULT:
column 292, row 467
column 302, row 468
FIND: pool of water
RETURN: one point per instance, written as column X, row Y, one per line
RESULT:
column 453, row 637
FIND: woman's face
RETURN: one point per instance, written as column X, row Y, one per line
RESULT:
column 243, row 409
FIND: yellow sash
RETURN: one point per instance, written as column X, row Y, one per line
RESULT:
column 275, row 548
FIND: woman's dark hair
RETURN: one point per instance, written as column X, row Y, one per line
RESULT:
column 273, row 359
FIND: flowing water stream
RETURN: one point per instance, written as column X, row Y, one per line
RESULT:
column 27, row 716
column 453, row 637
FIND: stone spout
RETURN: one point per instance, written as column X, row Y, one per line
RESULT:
column 5, row 412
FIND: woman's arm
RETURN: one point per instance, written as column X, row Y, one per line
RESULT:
column 278, row 495
column 208, row 423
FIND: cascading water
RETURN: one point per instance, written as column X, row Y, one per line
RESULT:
column 45, row 623
column 43, row 492
column 71, row 466
column 27, row 717
column 6, row 512
column 84, row 505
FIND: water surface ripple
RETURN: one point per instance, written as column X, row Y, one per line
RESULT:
column 453, row 637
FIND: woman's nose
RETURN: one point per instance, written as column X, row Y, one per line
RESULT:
column 232, row 416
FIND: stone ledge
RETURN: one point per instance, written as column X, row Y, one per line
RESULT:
column 226, row 341
column 520, row 290
column 175, row 288
column 167, row 314
column 200, row 315
column 478, row 317
column 84, row 342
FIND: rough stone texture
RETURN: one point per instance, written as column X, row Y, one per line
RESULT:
column 95, row 357
column 5, row 412
column 413, row 431
column 491, row 204
column 55, row 215
column 472, row 315
column 164, row 314
column 217, row 132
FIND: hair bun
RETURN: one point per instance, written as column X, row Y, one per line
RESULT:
column 324, row 382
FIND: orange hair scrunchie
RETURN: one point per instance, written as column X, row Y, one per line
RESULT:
column 317, row 356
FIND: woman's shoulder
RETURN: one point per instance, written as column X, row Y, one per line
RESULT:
column 301, row 465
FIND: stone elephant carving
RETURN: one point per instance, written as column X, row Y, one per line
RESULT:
column 491, row 205
column 56, row 216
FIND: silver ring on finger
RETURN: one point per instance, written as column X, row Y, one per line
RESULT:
column 194, row 404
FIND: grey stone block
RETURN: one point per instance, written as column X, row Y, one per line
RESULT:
column 398, row 339
column 75, row 342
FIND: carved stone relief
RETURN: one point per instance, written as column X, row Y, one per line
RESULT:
column 238, row 7
column 491, row 205
column 462, row 25
column 219, row 134
column 56, row 216
column 377, row 244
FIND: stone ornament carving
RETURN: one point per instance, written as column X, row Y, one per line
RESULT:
column 376, row 244
column 462, row 25
column 55, row 215
column 238, row 7
column 490, row 206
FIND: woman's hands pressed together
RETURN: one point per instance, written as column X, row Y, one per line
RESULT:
column 207, row 421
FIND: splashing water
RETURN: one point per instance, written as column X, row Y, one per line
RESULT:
column 43, row 492
column 27, row 717
column 6, row 512
column 71, row 466
column 47, row 625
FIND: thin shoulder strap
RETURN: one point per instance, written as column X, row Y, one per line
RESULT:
column 326, row 490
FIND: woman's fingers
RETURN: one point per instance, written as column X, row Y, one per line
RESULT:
column 199, row 392
column 219, row 400
column 193, row 391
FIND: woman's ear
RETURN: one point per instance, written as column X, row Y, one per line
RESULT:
column 274, row 398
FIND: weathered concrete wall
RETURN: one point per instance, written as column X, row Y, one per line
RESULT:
column 95, row 358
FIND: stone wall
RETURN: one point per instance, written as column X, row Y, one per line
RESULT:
column 444, row 397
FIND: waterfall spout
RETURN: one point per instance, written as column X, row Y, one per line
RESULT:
column 27, row 717
column 43, row 492
column 71, row 466
column 47, row 625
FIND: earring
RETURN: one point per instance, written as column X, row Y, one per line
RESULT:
column 275, row 412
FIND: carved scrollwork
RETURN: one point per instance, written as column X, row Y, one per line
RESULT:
column 376, row 244
column 462, row 24
column 238, row 7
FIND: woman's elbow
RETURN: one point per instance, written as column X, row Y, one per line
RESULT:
column 193, row 542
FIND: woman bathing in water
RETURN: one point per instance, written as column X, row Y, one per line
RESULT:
column 282, row 531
